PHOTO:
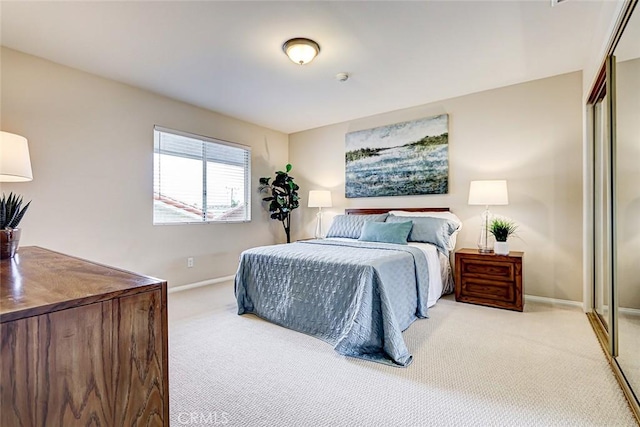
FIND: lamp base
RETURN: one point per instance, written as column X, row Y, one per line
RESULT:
column 485, row 241
column 318, row 233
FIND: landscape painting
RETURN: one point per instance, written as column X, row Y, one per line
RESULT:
column 402, row 159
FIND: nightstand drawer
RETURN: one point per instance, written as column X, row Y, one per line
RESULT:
column 476, row 290
column 494, row 270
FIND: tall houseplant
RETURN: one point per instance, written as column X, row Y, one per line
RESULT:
column 11, row 213
column 283, row 197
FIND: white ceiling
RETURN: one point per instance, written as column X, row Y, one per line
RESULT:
column 227, row 57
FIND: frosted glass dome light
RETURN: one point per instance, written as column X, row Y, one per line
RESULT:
column 300, row 50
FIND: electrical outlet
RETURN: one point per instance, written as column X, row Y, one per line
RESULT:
column 190, row 262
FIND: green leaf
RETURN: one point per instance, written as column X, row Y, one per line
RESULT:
column 11, row 211
column 283, row 197
column 19, row 216
column 502, row 229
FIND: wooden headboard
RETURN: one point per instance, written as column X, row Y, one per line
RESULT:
column 370, row 211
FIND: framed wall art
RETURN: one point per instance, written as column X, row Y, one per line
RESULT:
column 402, row 159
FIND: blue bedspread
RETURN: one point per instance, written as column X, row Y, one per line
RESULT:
column 357, row 296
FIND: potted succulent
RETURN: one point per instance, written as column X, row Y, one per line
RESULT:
column 283, row 199
column 11, row 213
column 501, row 230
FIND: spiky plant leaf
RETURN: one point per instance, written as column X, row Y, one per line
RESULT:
column 11, row 211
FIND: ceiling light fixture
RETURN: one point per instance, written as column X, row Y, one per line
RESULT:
column 300, row 50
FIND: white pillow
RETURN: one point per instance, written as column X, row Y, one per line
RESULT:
column 444, row 214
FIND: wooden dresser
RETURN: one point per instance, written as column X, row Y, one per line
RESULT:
column 489, row 279
column 82, row 344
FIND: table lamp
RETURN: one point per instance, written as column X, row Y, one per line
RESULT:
column 15, row 166
column 490, row 192
column 319, row 199
column 15, row 163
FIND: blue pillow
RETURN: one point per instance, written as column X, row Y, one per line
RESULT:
column 386, row 232
column 350, row 226
column 436, row 231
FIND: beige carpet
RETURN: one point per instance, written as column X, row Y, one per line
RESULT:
column 473, row 366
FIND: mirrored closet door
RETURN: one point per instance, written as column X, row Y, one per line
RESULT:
column 627, row 200
column 601, row 212
column 615, row 118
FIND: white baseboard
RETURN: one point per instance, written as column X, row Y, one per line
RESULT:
column 200, row 284
column 624, row 310
column 629, row 311
column 552, row 301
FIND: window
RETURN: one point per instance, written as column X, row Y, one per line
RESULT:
column 198, row 179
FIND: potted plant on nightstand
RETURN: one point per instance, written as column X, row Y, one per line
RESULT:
column 11, row 213
column 501, row 230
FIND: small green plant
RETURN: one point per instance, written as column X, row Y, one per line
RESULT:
column 11, row 211
column 283, row 199
column 502, row 229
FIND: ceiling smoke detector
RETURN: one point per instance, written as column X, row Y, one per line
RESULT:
column 342, row 77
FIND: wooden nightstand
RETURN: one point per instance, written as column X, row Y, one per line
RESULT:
column 489, row 279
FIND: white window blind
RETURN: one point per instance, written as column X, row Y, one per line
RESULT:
column 199, row 179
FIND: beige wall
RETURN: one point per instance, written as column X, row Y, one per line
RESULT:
column 529, row 134
column 91, row 143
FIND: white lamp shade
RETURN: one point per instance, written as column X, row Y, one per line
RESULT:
column 319, row 199
column 15, row 163
column 492, row 192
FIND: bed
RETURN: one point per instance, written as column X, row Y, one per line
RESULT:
column 359, row 288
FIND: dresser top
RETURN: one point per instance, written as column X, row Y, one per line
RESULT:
column 38, row 281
